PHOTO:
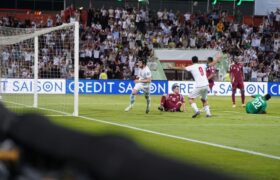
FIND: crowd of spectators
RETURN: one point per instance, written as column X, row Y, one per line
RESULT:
column 113, row 39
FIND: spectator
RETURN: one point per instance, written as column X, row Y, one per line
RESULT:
column 115, row 29
column 103, row 75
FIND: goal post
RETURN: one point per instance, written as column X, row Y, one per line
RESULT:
column 76, row 70
column 36, row 66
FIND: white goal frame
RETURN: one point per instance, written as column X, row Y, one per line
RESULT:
column 8, row 40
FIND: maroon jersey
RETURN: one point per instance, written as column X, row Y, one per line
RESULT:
column 236, row 73
column 210, row 70
column 174, row 101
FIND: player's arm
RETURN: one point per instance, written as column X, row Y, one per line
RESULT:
column 177, row 67
column 184, row 107
column 217, row 59
column 263, row 110
column 147, row 80
column 230, row 75
column 243, row 75
column 211, row 76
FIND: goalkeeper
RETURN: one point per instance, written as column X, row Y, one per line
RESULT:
column 258, row 105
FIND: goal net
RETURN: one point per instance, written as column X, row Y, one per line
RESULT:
column 39, row 69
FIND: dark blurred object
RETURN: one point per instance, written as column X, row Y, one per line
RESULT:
column 49, row 151
column 234, row 52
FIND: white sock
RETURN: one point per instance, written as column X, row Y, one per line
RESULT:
column 207, row 110
column 132, row 99
column 194, row 106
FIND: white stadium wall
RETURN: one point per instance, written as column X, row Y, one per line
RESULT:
column 264, row 7
column 173, row 55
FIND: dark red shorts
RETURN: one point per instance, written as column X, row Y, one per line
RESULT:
column 239, row 85
column 211, row 85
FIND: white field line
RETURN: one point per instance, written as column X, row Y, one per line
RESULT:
column 258, row 115
column 218, row 125
column 184, row 139
column 19, row 104
column 52, row 110
column 173, row 136
column 57, row 115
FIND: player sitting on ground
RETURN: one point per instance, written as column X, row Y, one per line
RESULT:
column 173, row 102
column 258, row 105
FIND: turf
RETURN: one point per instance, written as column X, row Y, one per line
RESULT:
column 228, row 127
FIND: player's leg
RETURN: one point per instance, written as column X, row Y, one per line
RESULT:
column 242, row 91
column 148, row 99
column 192, row 96
column 247, row 109
column 205, row 102
column 162, row 102
column 178, row 106
column 132, row 97
column 210, row 88
column 233, row 94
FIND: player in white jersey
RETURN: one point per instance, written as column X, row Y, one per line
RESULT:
column 201, row 84
column 142, row 83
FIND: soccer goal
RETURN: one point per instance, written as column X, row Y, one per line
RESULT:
column 39, row 69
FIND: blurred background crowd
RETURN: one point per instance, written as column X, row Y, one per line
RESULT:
column 113, row 39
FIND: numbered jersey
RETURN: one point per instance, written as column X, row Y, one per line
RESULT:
column 199, row 74
column 258, row 105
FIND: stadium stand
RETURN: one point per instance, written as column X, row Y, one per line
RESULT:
column 113, row 39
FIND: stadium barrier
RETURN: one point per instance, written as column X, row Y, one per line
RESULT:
column 158, row 87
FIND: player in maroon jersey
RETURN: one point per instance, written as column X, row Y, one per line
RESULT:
column 173, row 102
column 210, row 73
column 237, row 77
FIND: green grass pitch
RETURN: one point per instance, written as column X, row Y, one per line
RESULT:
column 169, row 134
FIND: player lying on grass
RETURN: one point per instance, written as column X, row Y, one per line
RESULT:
column 258, row 104
column 173, row 102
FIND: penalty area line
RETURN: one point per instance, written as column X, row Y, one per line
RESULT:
column 184, row 139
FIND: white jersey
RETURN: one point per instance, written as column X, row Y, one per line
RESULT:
column 144, row 74
column 199, row 74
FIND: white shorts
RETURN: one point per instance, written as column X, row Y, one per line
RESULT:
column 143, row 87
column 199, row 91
